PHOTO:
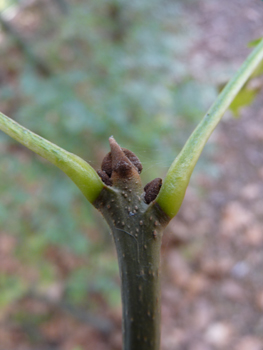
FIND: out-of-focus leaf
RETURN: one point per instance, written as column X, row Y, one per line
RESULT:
column 250, row 90
column 254, row 42
column 258, row 71
column 245, row 97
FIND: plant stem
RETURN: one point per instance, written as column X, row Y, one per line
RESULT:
column 176, row 181
column 139, row 263
column 137, row 231
column 80, row 172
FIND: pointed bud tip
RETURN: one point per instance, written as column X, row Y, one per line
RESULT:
column 112, row 140
column 120, row 164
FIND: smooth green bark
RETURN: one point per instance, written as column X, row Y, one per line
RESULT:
column 80, row 172
column 137, row 230
column 176, row 181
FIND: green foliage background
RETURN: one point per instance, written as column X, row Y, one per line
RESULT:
column 116, row 68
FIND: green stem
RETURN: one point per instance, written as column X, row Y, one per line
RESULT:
column 137, row 231
column 139, row 263
column 173, row 190
column 80, row 172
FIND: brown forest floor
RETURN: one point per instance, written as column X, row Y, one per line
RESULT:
column 212, row 252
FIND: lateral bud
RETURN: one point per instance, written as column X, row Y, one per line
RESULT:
column 152, row 189
column 104, row 177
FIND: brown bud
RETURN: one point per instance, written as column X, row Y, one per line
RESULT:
column 104, row 177
column 134, row 159
column 107, row 164
column 107, row 161
column 152, row 189
column 120, row 164
column 122, row 167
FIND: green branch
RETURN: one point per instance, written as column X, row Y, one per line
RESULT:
column 80, row 172
column 173, row 190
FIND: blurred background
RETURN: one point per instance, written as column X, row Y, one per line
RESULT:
column 77, row 72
